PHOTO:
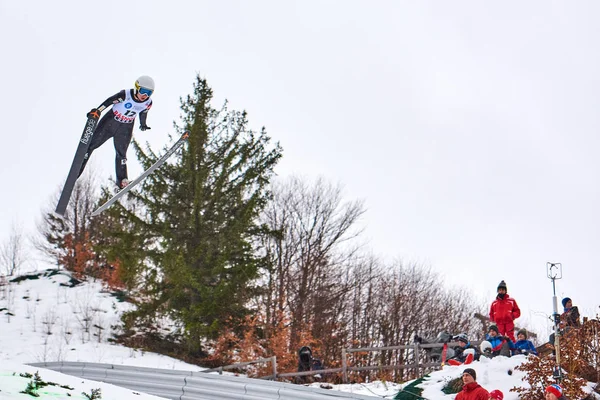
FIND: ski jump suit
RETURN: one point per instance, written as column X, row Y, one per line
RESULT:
column 118, row 124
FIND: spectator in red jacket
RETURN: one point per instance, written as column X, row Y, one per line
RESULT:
column 504, row 311
column 471, row 389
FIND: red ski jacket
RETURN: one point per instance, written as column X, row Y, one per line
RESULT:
column 504, row 310
column 472, row 391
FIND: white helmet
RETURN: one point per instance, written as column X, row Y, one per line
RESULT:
column 144, row 85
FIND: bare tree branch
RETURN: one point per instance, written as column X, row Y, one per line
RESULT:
column 12, row 252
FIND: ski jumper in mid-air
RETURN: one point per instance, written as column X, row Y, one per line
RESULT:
column 118, row 123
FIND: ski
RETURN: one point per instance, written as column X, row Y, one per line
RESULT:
column 147, row 172
column 82, row 148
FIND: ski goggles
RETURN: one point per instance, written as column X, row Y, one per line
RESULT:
column 143, row 90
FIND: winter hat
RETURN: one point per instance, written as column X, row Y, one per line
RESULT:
column 522, row 332
column 555, row 389
column 471, row 372
column 565, row 301
column 462, row 337
column 494, row 328
column 496, row 394
column 502, row 285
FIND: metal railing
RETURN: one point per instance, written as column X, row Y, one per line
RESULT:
column 194, row 385
column 346, row 368
column 272, row 360
column 200, row 385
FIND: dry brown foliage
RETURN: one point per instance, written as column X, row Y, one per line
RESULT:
column 78, row 256
column 579, row 356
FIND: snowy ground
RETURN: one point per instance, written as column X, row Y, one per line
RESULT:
column 496, row 373
column 68, row 387
column 53, row 322
column 491, row 374
column 45, row 320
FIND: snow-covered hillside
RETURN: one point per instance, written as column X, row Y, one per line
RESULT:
column 43, row 317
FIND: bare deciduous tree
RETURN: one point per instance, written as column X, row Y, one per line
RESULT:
column 49, row 320
column 409, row 299
column 13, row 252
column 59, row 235
column 10, row 293
column 313, row 229
column 85, row 310
column 318, row 281
column 99, row 324
column 66, row 331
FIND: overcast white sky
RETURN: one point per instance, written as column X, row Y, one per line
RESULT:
column 469, row 128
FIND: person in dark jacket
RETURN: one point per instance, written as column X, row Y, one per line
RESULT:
column 555, row 392
column 570, row 316
column 305, row 360
column 522, row 345
column 471, row 389
column 501, row 345
column 464, row 352
column 568, row 319
column 503, row 312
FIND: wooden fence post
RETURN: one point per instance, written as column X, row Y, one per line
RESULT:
column 344, row 367
column 274, row 362
column 416, row 356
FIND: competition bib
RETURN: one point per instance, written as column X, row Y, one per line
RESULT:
column 126, row 111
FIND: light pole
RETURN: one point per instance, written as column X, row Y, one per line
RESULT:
column 554, row 271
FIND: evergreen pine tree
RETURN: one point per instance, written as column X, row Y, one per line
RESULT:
column 195, row 219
